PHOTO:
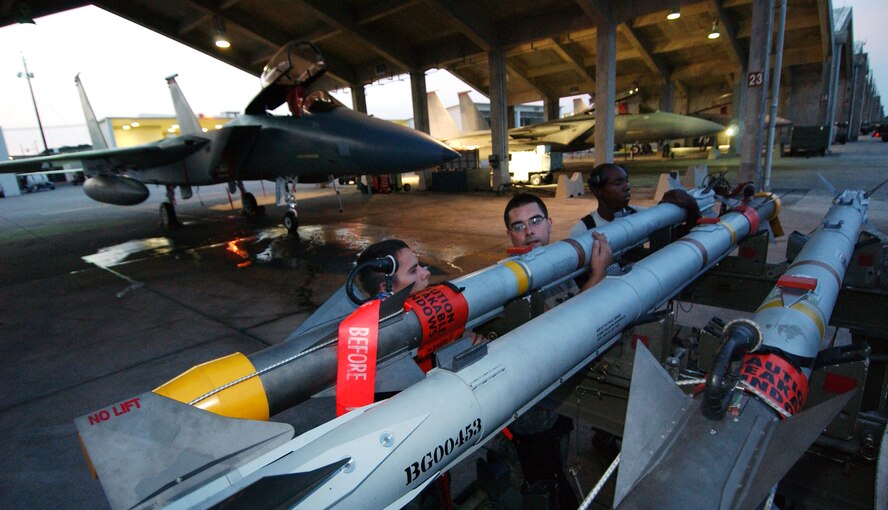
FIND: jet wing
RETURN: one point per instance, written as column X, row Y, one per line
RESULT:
column 558, row 132
column 163, row 152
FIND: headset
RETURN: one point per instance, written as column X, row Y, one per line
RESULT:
column 387, row 265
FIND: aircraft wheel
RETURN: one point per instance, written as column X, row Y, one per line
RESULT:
column 168, row 215
column 248, row 202
column 536, row 180
column 406, row 187
column 646, row 148
column 291, row 223
column 636, row 150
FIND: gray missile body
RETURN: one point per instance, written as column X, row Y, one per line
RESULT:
column 485, row 292
column 672, row 442
column 294, row 370
column 382, row 455
column 286, row 374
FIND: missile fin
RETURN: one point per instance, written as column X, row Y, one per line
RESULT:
column 788, row 442
column 655, row 409
column 150, row 449
column 330, row 313
column 281, row 491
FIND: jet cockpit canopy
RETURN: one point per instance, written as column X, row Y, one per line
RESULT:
column 288, row 77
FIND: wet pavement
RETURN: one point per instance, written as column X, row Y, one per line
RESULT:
column 99, row 303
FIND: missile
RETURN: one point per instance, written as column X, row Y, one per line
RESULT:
column 283, row 375
column 383, row 454
column 741, row 434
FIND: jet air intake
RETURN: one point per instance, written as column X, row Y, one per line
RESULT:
column 115, row 189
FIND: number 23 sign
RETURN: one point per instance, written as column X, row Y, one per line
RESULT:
column 755, row 79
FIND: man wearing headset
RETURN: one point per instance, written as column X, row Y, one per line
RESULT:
column 609, row 183
column 409, row 271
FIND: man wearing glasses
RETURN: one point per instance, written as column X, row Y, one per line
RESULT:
column 528, row 224
column 536, row 450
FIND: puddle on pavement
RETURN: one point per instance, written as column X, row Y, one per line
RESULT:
column 119, row 254
column 328, row 249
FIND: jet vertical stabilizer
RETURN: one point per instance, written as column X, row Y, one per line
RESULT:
column 441, row 124
column 95, row 134
column 188, row 124
column 471, row 118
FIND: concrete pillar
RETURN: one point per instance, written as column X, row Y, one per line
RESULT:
column 421, row 117
column 667, row 97
column 359, row 98
column 825, row 83
column 738, row 105
column 856, row 106
column 832, row 98
column 756, row 82
column 499, row 121
column 420, row 101
column 605, row 90
column 551, row 108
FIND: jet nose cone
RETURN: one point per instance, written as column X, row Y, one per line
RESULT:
column 448, row 154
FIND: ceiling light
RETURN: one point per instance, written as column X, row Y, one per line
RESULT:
column 125, row 127
column 674, row 14
column 220, row 35
column 135, row 124
column 714, row 33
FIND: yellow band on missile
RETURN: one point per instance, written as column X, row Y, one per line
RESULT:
column 806, row 309
column 520, row 275
column 245, row 399
column 770, row 304
column 731, row 230
column 800, row 306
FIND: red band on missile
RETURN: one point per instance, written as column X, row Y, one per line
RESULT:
column 442, row 312
column 822, row 265
column 356, row 369
column 751, row 215
column 581, row 255
column 708, row 221
column 776, row 380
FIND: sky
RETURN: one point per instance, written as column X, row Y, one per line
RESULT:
column 123, row 65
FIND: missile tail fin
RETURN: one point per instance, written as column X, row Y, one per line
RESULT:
column 655, row 408
column 789, row 441
column 282, row 491
column 150, row 449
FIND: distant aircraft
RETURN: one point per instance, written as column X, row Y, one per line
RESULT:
column 718, row 112
column 572, row 133
column 320, row 140
column 562, row 135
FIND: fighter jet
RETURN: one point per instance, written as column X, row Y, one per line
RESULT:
column 575, row 132
column 321, row 139
column 563, row 135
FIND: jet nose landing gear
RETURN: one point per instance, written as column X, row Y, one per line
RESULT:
column 291, row 223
